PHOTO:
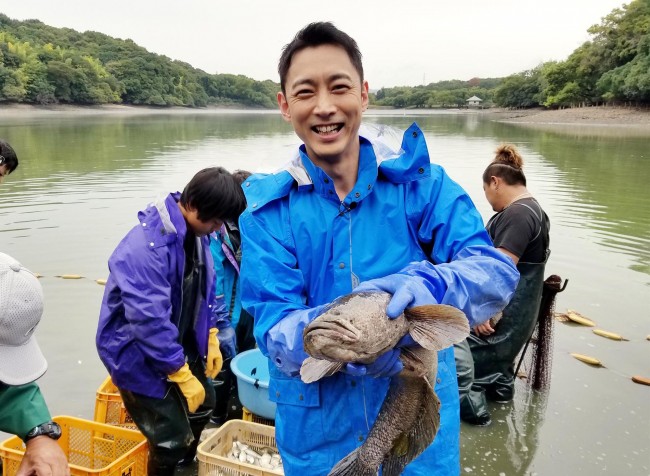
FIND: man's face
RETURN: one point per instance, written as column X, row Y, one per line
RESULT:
column 324, row 102
column 490, row 190
column 199, row 227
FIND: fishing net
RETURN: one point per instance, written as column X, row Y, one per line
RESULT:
column 539, row 359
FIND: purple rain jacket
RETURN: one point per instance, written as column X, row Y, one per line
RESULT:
column 137, row 335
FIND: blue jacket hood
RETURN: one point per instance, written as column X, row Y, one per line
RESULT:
column 401, row 157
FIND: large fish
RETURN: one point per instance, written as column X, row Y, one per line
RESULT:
column 355, row 328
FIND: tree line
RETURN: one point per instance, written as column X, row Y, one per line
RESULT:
column 612, row 68
column 40, row 64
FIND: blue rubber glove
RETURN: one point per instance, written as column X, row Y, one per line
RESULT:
column 284, row 341
column 407, row 291
column 406, row 341
column 386, row 365
column 227, row 342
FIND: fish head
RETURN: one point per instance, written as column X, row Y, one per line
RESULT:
column 354, row 328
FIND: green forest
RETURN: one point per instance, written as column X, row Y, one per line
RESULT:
column 40, row 64
column 612, row 68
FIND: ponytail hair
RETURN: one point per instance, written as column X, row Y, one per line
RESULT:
column 507, row 165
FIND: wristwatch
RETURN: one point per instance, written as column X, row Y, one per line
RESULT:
column 50, row 428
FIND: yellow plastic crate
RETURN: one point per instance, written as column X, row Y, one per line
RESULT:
column 212, row 453
column 250, row 416
column 109, row 407
column 91, row 448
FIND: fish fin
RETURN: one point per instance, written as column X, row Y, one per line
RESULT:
column 410, row 444
column 351, row 466
column 313, row 369
column 437, row 326
column 413, row 364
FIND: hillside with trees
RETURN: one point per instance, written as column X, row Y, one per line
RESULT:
column 612, row 68
column 443, row 94
column 40, row 64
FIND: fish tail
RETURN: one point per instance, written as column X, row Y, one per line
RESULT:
column 415, row 440
column 351, row 465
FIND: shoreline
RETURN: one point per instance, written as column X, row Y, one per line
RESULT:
column 26, row 110
column 597, row 116
column 588, row 116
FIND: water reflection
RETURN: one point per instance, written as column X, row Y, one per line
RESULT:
column 49, row 147
column 508, row 446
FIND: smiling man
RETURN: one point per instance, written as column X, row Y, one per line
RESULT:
column 354, row 212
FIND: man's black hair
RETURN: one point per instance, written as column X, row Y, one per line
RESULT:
column 241, row 176
column 317, row 34
column 8, row 156
column 214, row 193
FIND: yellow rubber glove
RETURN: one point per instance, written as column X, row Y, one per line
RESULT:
column 190, row 387
column 215, row 360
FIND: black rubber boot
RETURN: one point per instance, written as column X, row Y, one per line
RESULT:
column 172, row 434
column 244, row 332
column 502, row 390
column 159, row 468
column 198, row 421
column 473, row 409
column 223, row 385
column 163, row 422
column 473, row 406
column 235, row 408
column 201, row 417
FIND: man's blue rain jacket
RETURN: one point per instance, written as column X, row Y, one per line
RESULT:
column 303, row 247
column 137, row 336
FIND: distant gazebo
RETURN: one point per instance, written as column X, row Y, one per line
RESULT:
column 474, row 101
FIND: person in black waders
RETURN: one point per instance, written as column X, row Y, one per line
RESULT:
column 161, row 326
column 225, row 246
column 485, row 361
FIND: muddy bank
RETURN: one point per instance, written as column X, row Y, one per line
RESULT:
column 591, row 116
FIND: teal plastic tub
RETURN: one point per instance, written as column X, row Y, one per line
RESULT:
column 252, row 371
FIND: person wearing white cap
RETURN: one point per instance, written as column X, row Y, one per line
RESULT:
column 23, row 411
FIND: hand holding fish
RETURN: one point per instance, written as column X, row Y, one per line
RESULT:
column 407, row 291
column 355, row 331
column 386, row 365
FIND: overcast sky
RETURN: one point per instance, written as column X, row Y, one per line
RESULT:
column 403, row 42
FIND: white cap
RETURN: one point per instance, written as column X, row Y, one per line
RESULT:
column 21, row 308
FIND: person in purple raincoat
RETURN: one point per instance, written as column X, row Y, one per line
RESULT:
column 160, row 321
